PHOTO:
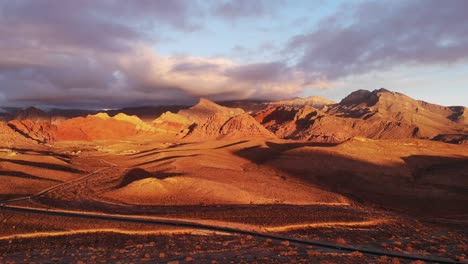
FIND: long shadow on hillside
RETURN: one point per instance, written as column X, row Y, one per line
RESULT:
column 161, row 151
column 156, row 149
column 231, row 144
column 43, row 165
column 450, row 173
column 165, row 158
column 260, row 155
column 137, row 174
column 390, row 186
column 24, row 175
column 19, row 131
column 41, row 152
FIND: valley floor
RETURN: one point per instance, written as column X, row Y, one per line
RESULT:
column 239, row 201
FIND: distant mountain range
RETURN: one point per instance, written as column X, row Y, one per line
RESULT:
column 378, row 114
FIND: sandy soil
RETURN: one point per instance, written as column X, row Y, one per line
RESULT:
column 362, row 192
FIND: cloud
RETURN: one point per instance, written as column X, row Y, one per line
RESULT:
column 101, row 53
column 96, row 53
column 236, row 9
column 377, row 35
column 141, row 76
column 259, row 72
column 195, row 68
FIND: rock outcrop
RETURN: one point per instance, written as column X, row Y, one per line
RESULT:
column 39, row 131
column 95, row 127
column 380, row 114
column 212, row 121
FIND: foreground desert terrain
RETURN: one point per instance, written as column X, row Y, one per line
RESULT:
column 370, row 179
column 345, row 194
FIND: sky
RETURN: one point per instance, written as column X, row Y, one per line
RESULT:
column 110, row 53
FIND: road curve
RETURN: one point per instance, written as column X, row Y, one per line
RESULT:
column 196, row 225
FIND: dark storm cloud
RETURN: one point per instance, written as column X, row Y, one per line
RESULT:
column 384, row 34
column 55, row 51
column 87, row 52
column 97, row 25
column 102, row 52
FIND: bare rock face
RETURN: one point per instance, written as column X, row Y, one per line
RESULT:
column 380, row 114
column 172, row 124
column 221, row 125
column 212, row 121
column 9, row 137
column 205, row 109
column 41, row 132
column 244, row 125
column 135, row 120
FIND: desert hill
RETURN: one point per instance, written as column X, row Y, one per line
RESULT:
column 380, row 114
column 139, row 124
column 101, row 127
column 315, row 101
column 208, row 120
column 31, row 113
column 9, row 137
column 213, row 121
column 417, row 176
column 249, row 106
column 221, row 125
column 205, row 109
column 205, row 120
column 146, row 113
column 38, row 131
column 172, row 123
column 253, row 106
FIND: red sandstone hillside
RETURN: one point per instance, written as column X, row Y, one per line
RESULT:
column 206, row 120
column 205, row 109
column 379, row 114
column 212, row 121
column 9, row 137
column 93, row 127
column 38, row 131
column 100, row 127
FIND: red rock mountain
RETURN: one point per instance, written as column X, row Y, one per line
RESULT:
column 380, row 114
column 39, row 131
column 171, row 123
column 31, row 113
column 99, row 127
column 205, row 109
column 9, row 137
column 212, row 121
